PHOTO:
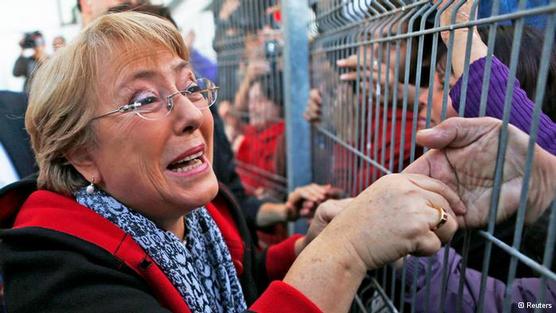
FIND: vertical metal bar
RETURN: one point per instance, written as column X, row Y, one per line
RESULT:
column 296, row 92
column 488, row 64
column 409, row 47
column 549, row 250
column 418, row 78
column 434, row 52
column 465, row 78
column 448, row 71
column 362, row 98
column 463, row 268
column 500, row 159
column 541, row 85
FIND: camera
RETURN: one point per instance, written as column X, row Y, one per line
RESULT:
column 272, row 49
column 32, row 40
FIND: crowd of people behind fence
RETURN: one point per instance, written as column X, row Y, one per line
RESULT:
column 201, row 226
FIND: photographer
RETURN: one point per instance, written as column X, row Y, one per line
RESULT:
column 32, row 52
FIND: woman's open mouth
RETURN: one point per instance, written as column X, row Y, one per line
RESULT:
column 190, row 163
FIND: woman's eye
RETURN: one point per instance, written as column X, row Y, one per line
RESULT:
column 194, row 92
column 193, row 88
column 143, row 99
column 147, row 100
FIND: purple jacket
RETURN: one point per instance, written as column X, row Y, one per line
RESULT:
column 524, row 290
column 522, row 107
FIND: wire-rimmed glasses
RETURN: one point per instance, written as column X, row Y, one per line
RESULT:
column 201, row 92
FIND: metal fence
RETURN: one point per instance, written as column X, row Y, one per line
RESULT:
column 400, row 81
column 249, row 44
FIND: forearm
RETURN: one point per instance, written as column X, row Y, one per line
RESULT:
column 478, row 50
column 271, row 213
column 330, row 280
column 240, row 100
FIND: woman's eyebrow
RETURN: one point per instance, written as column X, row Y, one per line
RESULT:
column 139, row 75
column 180, row 66
column 149, row 74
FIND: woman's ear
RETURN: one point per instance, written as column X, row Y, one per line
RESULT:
column 84, row 162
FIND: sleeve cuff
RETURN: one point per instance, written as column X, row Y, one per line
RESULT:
column 280, row 297
column 280, row 257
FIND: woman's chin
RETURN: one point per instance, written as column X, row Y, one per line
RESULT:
column 195, row 194
column 204, row 192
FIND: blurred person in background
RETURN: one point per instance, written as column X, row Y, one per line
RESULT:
column 58, row 42
column 264, row 132
column 32, row 54
column 373, row 68
column 16, row 157
column 203, row 66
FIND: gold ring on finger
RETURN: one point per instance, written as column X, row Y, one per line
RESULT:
column 442, row 215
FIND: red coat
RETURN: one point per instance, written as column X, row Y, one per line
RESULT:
column 353, row 174
column 60, row 219
column 258, row 150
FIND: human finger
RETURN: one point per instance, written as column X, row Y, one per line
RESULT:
column 350, row 61
column 301, row 193
column 442, row 220
column 427, row 244
column 456, row 132
column 314, row 192
column 446, row 226
column 329, row 209
column 354, row 75
column 438, row 187
column 313, row 110
column 311, row 118
column 307, row 209
column 335, row 193
column 314, row 95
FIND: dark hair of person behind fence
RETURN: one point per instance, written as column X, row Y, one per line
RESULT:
column 529, row 61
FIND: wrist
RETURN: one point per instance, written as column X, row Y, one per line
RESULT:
column 317, row 266
column 478, row 50
column 345, row 254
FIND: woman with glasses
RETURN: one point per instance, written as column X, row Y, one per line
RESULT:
column 124, row 218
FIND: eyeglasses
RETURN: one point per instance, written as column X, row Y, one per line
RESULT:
column 202, row 93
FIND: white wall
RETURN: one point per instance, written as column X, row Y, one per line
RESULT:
column 189, row 16
column 18, row 17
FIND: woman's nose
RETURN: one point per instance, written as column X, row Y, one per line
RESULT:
column 188, row 116
column 423, row 98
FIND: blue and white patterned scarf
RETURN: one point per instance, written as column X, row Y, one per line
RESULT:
column 201, row 269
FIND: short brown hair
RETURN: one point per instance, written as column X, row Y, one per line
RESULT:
column 61, row 102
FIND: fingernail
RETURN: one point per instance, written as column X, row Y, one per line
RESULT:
column 340, row 62
column 343, row 77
